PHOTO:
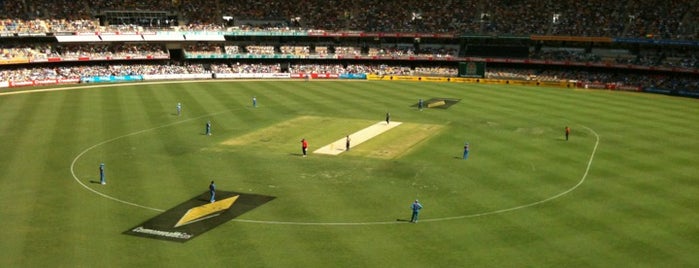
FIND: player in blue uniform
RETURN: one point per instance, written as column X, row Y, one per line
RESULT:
column 466, row 149
column 179, row 108
column 254, row 102
column 102, row 177
column 208, row 128
column 212, row 191
column 415, row 207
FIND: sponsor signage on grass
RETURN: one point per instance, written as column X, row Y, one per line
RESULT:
column 197, row 216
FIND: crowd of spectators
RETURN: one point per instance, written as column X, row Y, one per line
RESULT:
column 665, row 81
column 317, row 68
column 201, row 48
column 624, row 18
column 24, row 52
column 566, row 55
column 78, row 71
column 588, row 18
column 37, row 51
column 29, row 74
column 260, row 50
column 295, row 50
column 41, row 51
column 424, row 51
column 687, row 60
column 397, row 51
column 248, row 68
column 664, row 19
column 231, row 50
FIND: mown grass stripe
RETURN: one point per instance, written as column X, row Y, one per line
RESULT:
column 634, row 195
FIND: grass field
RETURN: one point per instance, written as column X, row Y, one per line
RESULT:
column 622, row 192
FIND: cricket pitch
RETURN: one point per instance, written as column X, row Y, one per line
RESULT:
column 376, row 141
column 339, row 146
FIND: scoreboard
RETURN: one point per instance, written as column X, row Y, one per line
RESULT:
column 472, row 69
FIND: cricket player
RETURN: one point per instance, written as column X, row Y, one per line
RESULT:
column 304, row 147
column 420, row 104
column 208, row 128
column 415, row 207
column 212, row 191
column 103, row 181
column 567, row 132
column 179, row 109
column 254, row 102
column 466, row 149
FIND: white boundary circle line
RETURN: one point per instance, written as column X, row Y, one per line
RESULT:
column 75, row 160
column 72, row 169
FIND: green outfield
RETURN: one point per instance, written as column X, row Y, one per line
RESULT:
column 622, row 192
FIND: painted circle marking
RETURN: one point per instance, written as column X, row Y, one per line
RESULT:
column 499, row 211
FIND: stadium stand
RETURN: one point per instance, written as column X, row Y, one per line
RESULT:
column 644, row 43
column 625, row 18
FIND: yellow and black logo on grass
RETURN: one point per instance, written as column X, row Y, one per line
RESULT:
column 197, row 216
column 441, row 103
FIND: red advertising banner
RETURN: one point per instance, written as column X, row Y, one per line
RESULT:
column 43, row 82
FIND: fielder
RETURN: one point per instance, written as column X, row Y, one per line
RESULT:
column 415, row 207
column 212, row 191
column 103, row 181
column 466, row 149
